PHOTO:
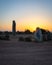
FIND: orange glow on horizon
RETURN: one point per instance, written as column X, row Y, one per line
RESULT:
column 28, row 23
column 24, row 27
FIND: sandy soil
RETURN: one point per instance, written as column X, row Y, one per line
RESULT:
column 14, row 52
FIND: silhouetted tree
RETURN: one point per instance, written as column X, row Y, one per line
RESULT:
column 19, row 32
column 27, row 31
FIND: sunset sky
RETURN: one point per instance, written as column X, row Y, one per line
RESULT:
column 28, row 14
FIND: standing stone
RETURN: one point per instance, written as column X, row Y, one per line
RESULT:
column 38, row 35
column 14, row 27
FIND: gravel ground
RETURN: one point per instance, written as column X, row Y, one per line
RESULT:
column 14, row 52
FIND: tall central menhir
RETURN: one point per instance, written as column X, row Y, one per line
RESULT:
column 13, row 27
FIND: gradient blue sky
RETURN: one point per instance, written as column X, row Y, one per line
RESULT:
column 27, row 14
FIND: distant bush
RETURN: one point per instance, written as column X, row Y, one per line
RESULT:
column 1, row 32
column 0, row 38
column 46, row 35
column 5, row 36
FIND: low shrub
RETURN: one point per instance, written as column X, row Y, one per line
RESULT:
column 28, row 39
column 21, row 39
column 4, row 37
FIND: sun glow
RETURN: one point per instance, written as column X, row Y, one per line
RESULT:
column 32, row 23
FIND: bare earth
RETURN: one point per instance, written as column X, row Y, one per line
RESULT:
column 14, row 52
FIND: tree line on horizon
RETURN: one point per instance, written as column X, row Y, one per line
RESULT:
column 18, row 32
column 27, row 31
column 4, row 35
